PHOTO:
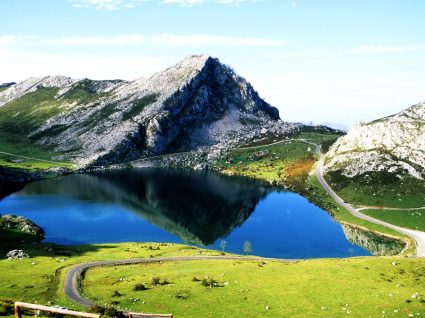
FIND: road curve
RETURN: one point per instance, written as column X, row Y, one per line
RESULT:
column 418, row 236
column 72, row 279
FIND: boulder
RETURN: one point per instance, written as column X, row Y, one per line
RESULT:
column 20, row 223
column 16, row 254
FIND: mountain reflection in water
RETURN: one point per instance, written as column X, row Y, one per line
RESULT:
column 180, row 206
column 198, row 207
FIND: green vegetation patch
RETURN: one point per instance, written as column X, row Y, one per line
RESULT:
column 83, row 93
column 25, row 114
column 264, row 162
column 316, row 194
column 359, row 287
column 40, row 278
column 140, row 104
column 21, row 117
column 412, row 219
column 381, row 189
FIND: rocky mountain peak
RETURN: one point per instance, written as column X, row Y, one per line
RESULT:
column 195, row 103
column 394, row 144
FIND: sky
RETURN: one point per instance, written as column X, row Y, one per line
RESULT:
column 320, row 61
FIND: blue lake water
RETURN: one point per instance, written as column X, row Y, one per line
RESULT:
column 167, row 205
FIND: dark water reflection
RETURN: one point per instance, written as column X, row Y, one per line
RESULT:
column 166, row 205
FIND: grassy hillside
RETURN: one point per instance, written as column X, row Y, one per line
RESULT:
column 362, row 287
column 319, row 288
column 379, row 189
column 412, row 219
column 18, row 120
column 40, row 278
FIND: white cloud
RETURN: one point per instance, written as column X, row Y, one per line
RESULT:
column 167, row 40
column 187, row 3
column 129, row 39
column 19, row 65
column 128, row 4
column 105, row 4
column 202, row 40
column 7, row 38
column 378, row 49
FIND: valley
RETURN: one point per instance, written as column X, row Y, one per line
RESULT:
column 192, row 155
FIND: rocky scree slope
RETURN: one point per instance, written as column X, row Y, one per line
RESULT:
column 196, row 103
column 395, row 145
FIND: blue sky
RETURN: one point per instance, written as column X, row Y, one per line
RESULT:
column 335, row 61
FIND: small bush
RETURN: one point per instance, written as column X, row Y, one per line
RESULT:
column 183, row 294
column 158, row 281
column 209, row 282
column 155, row 280
column 97, row 309
column 6, row 308
column 139, row 287
column 112, row 313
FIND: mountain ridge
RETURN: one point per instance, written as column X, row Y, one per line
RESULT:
column 194, row 103
column 394, row 144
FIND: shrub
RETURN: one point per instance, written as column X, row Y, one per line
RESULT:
column 183, row 294
column 155, row 280
column 209, row 282
column 112, row 313
column 139, row 287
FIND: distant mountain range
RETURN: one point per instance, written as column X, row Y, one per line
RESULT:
column 394, row 145
column 197, row 102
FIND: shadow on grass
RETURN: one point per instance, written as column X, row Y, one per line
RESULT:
column 10, row 240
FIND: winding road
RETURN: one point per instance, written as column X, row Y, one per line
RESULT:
column 418, row 236
column 72, row 278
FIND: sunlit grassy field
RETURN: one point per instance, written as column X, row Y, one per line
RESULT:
column 39, row 279
column 363, row 287
column 380, row 189
column 412, row 219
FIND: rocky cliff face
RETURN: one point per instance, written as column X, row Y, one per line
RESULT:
column 375, row 243
column 197, row 102
column 395, row 144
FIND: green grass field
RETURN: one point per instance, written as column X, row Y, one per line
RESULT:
column 18, row 120
column 362, row 287
column 380, row 189
column 413, row 219
column 264, row 162
column 31, row 164
column 39, row 279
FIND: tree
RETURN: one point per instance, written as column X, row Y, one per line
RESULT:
column 223, row 245
column 247, row 248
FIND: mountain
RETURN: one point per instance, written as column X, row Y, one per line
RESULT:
column 392, row 145
column 197, row 102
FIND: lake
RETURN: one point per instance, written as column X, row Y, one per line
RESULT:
column 180, row 206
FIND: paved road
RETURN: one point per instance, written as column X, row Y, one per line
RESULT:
column 363, row 207
column 418, row 236
column 72, row 279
